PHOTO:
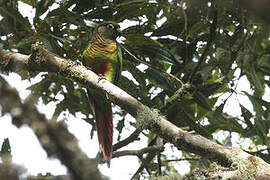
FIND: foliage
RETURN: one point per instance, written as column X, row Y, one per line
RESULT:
column 5, row 149
column 206, row 44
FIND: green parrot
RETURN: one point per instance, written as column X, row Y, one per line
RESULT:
column 103, row 56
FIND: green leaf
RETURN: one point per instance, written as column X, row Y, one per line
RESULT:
column 25, row 44
column 129, row 86
column 18, row 19
column 221, row 121
column 69, row 16
column 202, row 112
column 159, row 79
column 196, row 125
column 202, row 100
column 30, row 2
column 5, row 149
column 234, row 125
column 264, row 64
column 198, row 27
column 247, row 116
column 259, row 105
column 42, row 7
column 90, row 24
column 158, row 53
column 138, row 40
column 47, row 44
column 255, row 80
column 223, row 59
column 260, row 128
column 133, row 10
column 83, row 5
column 119, row 127
column 47, row 175
column 169, row 28
column 256, row 104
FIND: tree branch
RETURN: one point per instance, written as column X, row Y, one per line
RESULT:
column 182, row 159
column 130, row 3
column 120, row 144
column 43, row 60
column 150, row 156
column 131, row 138
column 138, row 153
column 53, row 136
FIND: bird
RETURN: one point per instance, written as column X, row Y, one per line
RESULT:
column 103, row 56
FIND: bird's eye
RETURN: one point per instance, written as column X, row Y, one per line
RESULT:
column 110, row 26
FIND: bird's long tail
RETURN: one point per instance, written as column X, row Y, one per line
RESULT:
column 102, row 110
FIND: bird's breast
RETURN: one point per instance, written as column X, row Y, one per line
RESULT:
column 102, row 58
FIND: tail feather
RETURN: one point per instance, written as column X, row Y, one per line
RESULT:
column 105, row 132
column 102, row 110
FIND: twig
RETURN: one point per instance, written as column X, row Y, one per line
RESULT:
column 138, row 153
column 159, row 143
column 145, row 161
column 151, row 66
column 159, row 163
column 130, row 2
column 120, row 144
column 257, row 152
column 181, row 159
column 131, row 138
column 178, row 95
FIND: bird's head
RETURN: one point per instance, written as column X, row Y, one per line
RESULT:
column 109, row 30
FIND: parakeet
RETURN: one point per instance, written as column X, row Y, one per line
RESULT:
column 103, row 56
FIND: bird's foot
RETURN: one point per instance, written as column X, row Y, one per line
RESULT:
column 101, row 77
column 73, row 63
column 89, row 68
column 78, row 62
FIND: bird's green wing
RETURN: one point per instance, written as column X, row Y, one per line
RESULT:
column 119, row 65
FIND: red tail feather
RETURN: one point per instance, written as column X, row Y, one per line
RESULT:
column 105, row 132
column 104, row 123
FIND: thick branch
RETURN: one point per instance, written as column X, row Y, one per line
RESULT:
column 9, row 171
column 53, row 136
column 43, row 60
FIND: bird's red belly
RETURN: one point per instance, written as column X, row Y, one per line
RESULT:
column 100, row 68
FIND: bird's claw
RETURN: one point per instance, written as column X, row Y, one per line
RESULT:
column 76, row 62
column 89, row 68
column 71, row 63
column 101, row 77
